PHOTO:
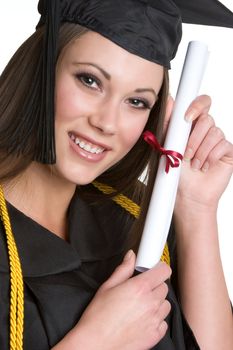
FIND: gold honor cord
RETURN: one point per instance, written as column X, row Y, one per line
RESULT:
column 16, row 282
column 131, row 207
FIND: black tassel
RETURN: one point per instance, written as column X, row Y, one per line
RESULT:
column 46, row 133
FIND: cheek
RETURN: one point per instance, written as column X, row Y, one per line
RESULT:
column 69, row 103
column 66, row 103
column 131, row 132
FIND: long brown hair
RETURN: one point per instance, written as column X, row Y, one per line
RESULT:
column 15, row 86
column 20, row 91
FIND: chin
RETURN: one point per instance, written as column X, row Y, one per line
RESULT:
column 75, row 176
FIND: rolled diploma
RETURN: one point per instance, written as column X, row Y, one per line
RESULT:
column 163, row 197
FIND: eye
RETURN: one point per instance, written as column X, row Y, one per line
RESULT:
column 139, row 103
column 89, row 80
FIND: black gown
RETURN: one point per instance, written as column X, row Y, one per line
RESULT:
column 61, row 277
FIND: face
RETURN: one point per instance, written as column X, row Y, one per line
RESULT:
column 104, row 96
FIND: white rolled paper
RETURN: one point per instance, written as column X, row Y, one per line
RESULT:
column 162, row 202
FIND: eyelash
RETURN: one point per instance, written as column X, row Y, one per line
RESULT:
column 146, row 104
column 82, row 76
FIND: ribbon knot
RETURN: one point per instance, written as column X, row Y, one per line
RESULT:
column 173, row 158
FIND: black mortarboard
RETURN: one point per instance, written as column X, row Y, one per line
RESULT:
column 148, row 28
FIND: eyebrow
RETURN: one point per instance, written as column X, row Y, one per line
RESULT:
column 105, row 74
column 147, row 90
column 108, row 77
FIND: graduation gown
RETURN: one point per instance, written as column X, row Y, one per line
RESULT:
column 61, row 277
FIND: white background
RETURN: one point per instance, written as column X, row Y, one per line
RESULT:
column 18, row 20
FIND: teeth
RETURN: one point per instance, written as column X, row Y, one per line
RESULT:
column 81, row 144
column 86, row 146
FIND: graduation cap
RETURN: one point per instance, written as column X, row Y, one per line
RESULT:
column 148, row 28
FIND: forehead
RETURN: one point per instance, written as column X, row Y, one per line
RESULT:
column 94, row 48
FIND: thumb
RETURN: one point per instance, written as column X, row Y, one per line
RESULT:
column 122, row 273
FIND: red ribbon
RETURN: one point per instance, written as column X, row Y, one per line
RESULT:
column 172, row 157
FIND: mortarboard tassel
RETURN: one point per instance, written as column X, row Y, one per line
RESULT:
column 45, row 132
column 37, row 124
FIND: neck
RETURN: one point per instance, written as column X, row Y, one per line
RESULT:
column 43, row 196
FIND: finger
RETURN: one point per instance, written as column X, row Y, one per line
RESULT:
column 222, row 151
column 158, row 332
column 201, row 128
column 162, row 329
column 159, row 295
column 213, row 137
column 154, row 277
column 122, row 273
column 201, row 105
column 160, row 292
column 164, row 310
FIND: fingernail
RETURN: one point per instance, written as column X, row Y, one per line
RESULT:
column 190, row 116
column 188, row 154
column 196, row 164
column 128, row 255
column 205, row 167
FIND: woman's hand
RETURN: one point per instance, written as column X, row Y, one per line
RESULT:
column 208, row 159
column 206, row 171
column 126, row 312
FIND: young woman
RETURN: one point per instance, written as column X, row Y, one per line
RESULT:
column 75, row 242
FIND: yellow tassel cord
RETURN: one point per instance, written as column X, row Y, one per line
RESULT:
column 16, row 282
column 131, row 207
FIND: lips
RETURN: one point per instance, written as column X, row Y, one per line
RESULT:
column 87, row 148
column 86, row 145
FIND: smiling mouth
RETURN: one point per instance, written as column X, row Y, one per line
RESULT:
column 87, row 146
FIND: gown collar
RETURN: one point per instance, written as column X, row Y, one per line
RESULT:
column 93, row 235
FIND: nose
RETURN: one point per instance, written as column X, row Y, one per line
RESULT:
column 105, row 118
